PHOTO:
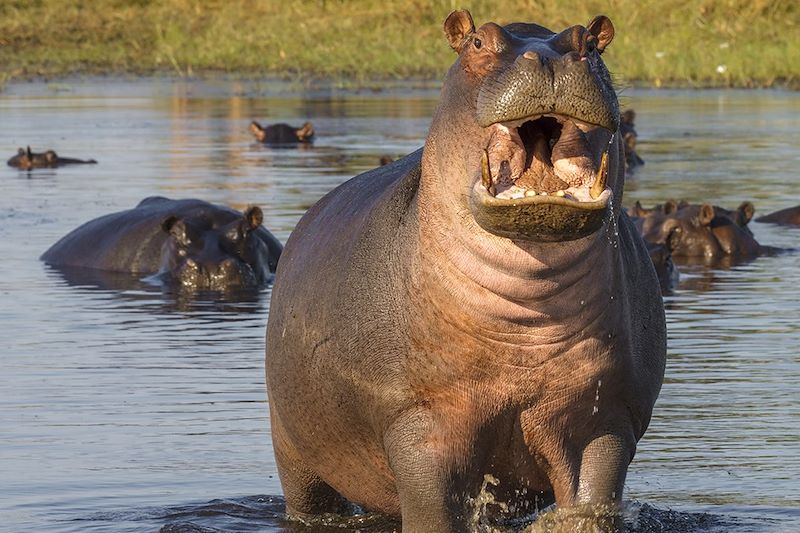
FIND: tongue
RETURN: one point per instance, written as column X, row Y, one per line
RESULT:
column 541, row 176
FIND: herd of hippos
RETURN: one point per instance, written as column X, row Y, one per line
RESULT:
column 473, row 316
column 689, row 233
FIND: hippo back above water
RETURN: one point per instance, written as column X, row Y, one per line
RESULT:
column 481, row 309
column 187, row 242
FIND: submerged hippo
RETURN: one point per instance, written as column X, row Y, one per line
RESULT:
column 282, row 133
column 789, row 216
column 27, row 160
column 627, row 129
column 480, row 309
column 187, row 242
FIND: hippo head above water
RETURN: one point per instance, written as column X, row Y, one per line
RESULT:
column 282, row 134
column 26, row 159
column 200, row 253
column 528, row 117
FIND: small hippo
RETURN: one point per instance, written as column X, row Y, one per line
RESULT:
column 187, row 242
column 666, row 271
column 27, row 160
column 789, row 217
column 629, row 138
column 476, row 310
column 282, row 134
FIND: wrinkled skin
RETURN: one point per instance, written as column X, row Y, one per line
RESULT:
column 789, row 217
column 185, row 242
column 627, row 130
column 413, row 348
column 282, row 134
column 705, row 232
column 28, row 160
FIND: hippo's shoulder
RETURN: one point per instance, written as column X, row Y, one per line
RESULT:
column 371, row 193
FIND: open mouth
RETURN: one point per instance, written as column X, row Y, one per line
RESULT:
column 543, row 178
column 548, row 155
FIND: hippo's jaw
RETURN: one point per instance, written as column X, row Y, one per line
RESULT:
column 544, row 178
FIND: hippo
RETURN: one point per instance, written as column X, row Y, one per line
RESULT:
column 189, row 242
column 703, row 231
column 27, row 160
column 629, row 136
column 789, row 217
column 666, row 271
column 481, row 310
column 741, row 216
column 282, row 134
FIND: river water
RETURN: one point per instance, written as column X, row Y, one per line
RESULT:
column 136, row 409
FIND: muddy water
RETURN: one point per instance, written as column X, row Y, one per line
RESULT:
column 129, row 408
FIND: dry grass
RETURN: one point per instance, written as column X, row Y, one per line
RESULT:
column 665, row 42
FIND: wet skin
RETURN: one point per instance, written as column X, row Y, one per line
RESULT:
column 282, row 134
column 185, row 242
column 789, row 217
column 439, row 319
column 28, row 160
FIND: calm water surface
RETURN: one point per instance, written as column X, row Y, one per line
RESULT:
column 137, row 409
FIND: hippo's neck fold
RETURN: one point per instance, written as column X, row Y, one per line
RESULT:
column 507, row 286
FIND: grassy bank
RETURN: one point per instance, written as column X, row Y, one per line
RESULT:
column 659, row 42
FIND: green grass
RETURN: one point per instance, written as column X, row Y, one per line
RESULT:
column 742, row 43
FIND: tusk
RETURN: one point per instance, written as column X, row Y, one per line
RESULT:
column 486, row 174
column 600, row 179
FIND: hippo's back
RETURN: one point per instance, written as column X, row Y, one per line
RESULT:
column 126, row 241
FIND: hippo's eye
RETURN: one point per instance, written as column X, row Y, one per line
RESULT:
column 477, row 43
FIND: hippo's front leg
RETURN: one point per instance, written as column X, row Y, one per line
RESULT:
column 590, row 500
column 424, row 475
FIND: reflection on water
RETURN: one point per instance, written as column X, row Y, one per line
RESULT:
column 126, row 406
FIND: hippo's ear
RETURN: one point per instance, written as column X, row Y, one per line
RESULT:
column 306, row 132
column 601, row 27
column 21, row 151
column 168, row 222
column 29, row 153
column 706, row 214
column 253, row 217
column 746, row 210
column 670, row 206
column 457, row 26
column 257, row 130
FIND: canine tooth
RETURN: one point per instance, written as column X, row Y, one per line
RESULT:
column 561, row 193
column 530, row 192
column 600, row 179
column 486, row 174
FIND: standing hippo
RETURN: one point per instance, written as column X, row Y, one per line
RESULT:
column 481, row 307
column 282, row 133
column 27, row 160
column 187, row 242
column 789, row 216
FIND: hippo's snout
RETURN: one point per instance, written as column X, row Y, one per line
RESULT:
column 230, row 272
column 536, row 84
